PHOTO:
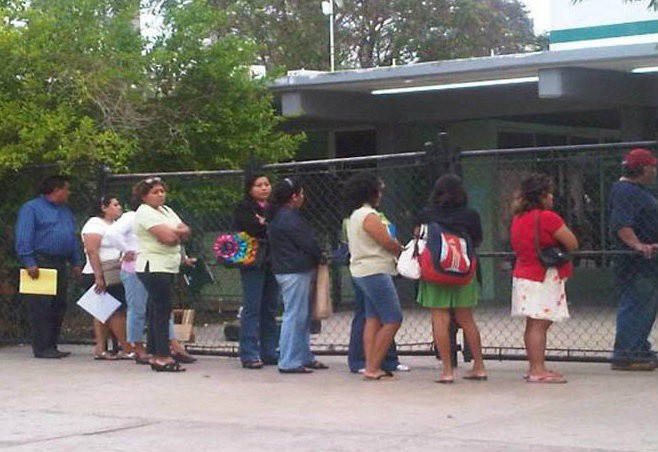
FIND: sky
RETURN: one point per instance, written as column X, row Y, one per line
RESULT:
column 540, row 13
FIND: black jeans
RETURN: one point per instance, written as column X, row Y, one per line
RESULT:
column 158, row 310
column 46, row 312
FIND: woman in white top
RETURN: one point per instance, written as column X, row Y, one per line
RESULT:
column 373, row 251
column 98, row 250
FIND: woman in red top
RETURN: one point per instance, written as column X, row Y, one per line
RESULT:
column 537, row 291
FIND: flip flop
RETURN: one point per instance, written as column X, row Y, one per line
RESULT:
column 105, row 356
column 445, row 380
column 547, row 379
column 381, row 376
column 475, row 377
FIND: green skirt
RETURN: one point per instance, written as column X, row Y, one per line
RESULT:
column 432, row 295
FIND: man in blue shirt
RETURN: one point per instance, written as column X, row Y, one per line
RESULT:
column 46, row 238
column 633, row 225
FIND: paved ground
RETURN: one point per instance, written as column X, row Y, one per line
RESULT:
column 80, row 404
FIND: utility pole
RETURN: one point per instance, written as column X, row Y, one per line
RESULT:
column 328, row 10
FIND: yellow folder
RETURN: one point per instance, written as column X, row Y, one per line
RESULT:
column 45, row 284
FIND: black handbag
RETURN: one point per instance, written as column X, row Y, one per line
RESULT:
column 552, row 256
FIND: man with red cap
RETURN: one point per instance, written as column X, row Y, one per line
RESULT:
column 633, row 226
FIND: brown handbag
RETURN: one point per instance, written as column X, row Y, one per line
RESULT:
column 321, row 307
column 112, row 272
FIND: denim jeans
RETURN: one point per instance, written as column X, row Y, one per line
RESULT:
column 259, row 334
column 294, row 345
column 638, row 305
column 136, row 297
column 355, row 356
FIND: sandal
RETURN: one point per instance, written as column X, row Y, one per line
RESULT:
column 172, row 366
column 105, row 356
column 384, row 375
column 444, row 380
column 475, row 377
column 550, row 378
column 124, row 355
column 144, row 359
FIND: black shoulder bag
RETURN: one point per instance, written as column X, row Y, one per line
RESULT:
column 553, row 256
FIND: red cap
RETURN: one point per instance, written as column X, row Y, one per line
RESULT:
column 639, row 157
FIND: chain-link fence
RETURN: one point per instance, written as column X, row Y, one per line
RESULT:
column 583, row 178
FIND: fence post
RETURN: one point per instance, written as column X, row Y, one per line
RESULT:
column 102, row 172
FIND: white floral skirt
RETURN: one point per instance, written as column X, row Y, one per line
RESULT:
column 545, row 300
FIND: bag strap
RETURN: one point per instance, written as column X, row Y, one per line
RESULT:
column 536, row 234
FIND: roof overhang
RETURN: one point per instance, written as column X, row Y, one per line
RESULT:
column 562, row 81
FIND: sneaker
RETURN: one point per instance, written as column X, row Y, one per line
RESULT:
column 402, row 368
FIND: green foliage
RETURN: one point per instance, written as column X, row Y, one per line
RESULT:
column 294, row 34
column 79, row 84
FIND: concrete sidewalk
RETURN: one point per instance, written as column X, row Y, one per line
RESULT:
column 84, row 405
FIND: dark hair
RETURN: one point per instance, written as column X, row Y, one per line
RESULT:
column 360, row 189
column 52, row 183
column 533, row 189
column 97, row 209
column 135, row 200
column 282, row 192
column 448, row 191
column 142, row 188
column 631, row 172
column 249, row 180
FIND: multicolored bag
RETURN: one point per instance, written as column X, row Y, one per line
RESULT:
column 448, row 259
column 238, row 249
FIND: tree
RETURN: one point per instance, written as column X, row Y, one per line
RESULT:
column 79, row 84
column 378, row 32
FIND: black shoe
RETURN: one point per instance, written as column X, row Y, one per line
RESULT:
column 48, row 354
column 63, row 354
column 634, row 366
column 252, row 364
column 185, row 359
column 296, row 370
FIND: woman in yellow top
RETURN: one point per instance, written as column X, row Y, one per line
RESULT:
column 159, row 234
column 373, row 251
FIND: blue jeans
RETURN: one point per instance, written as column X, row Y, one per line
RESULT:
column 259, row 334
column 136, row 297
column 294, row 345
column 355, row 356
column 638, row 305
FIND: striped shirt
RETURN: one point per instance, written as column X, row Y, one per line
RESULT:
column 44, row 227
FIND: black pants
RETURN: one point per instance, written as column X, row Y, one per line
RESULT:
column 158, row 310
column 46, row 312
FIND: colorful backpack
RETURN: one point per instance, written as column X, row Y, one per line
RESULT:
column 449, row 257
column 238, row 249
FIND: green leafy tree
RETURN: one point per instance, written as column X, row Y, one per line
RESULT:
column 210, row 112
column 79, row 84
column 294, row 33
column 70, row 79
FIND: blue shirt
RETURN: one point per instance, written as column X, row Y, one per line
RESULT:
column 634, row 206
column 48, row 228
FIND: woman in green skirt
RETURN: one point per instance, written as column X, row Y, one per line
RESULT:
column 447, row 206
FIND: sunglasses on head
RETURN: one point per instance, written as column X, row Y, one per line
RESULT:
column 151, row 180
